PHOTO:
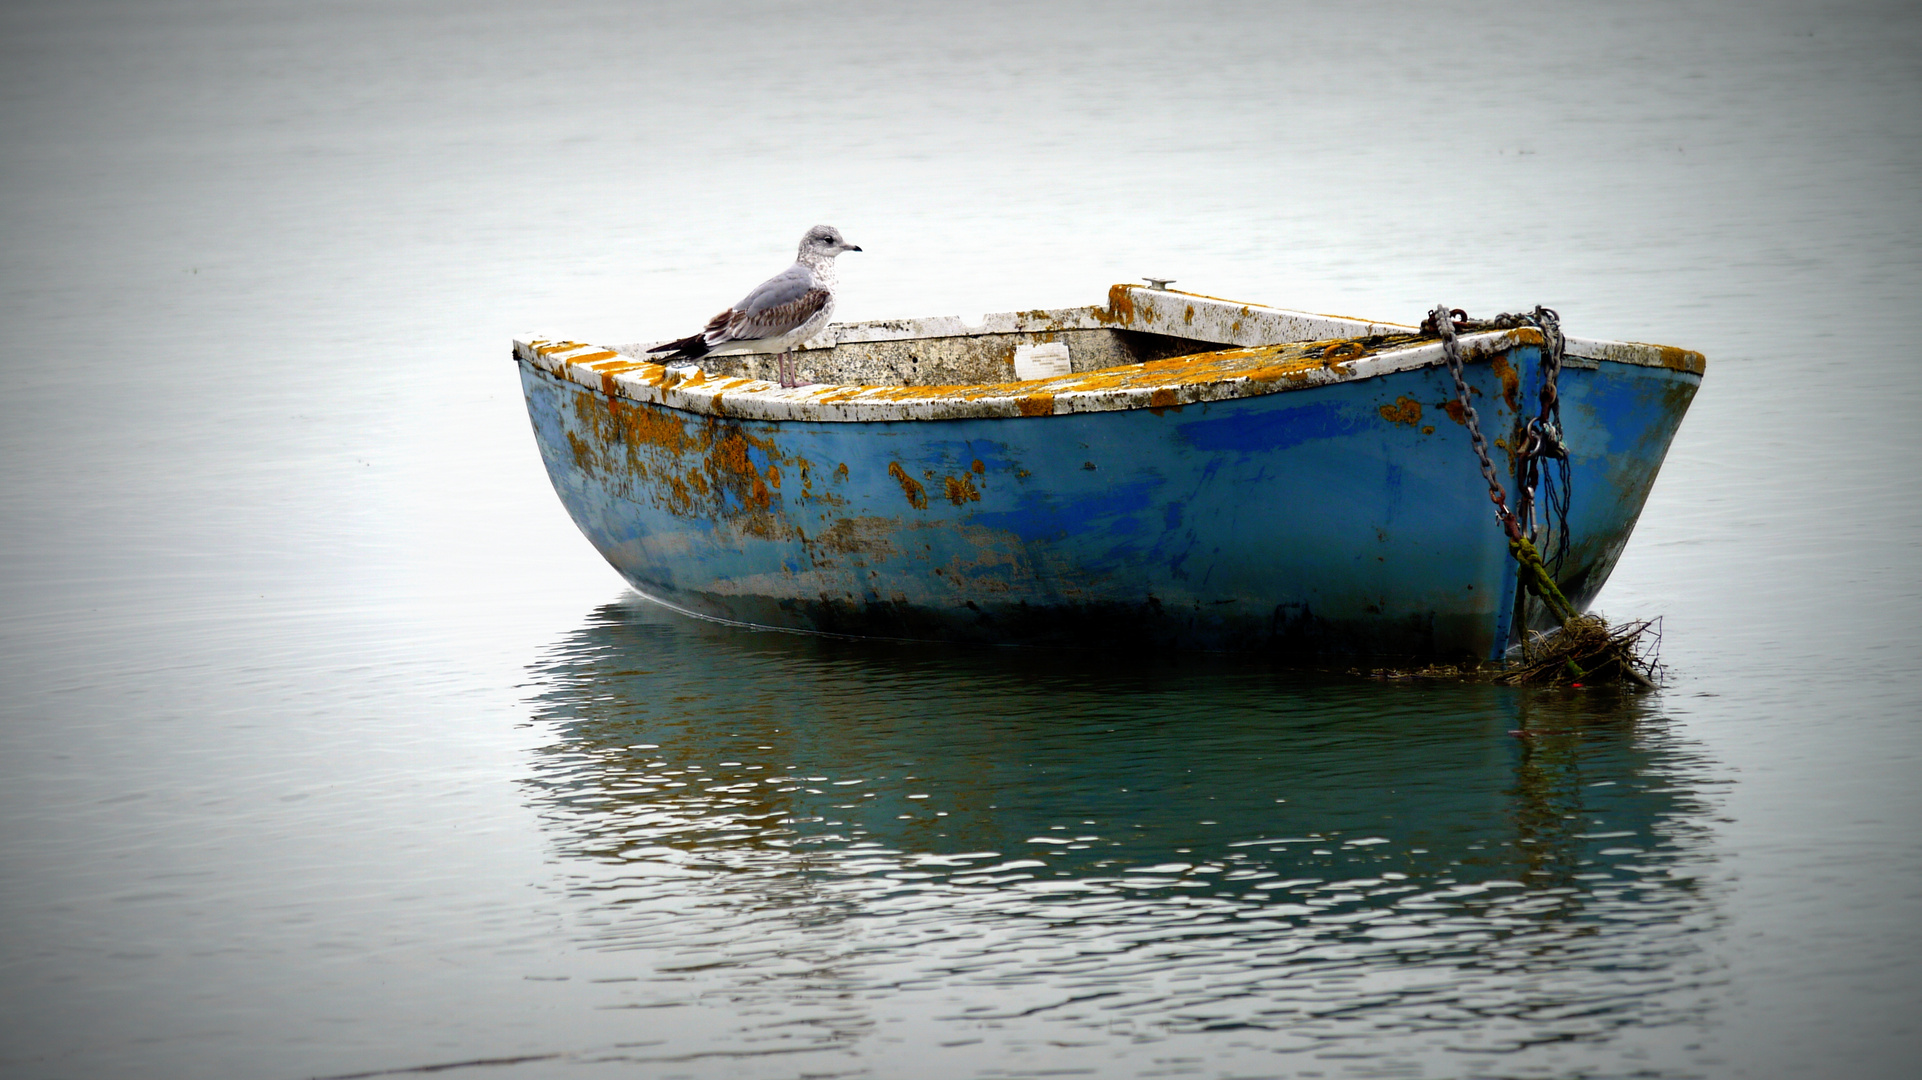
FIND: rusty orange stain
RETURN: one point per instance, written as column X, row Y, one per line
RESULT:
column 917, row 495
column 978, row 467
column 1405, row 410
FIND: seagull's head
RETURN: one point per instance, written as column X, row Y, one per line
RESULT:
column 825, row 241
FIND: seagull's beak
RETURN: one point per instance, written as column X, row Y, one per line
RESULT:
column 854, row 247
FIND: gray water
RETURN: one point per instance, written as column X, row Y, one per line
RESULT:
column 328, row 747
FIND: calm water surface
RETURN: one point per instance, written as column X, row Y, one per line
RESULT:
column 329, row 748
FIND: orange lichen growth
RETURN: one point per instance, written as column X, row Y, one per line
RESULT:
column 1511, row 380
column 731, row 455
column 1405, row 410
column 961, row 489
column 917, row 495
column 1035, row 404
column 978, row 467
column 688, row 465
column 1683, row 359
column 1341, row 352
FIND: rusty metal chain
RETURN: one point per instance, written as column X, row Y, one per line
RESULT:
column 1541, row 436
column 1443, row 320
column 1545, row 440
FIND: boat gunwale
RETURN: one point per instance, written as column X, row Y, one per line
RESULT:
column 1228, row 373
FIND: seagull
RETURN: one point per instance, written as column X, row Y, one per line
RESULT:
column 781, row 312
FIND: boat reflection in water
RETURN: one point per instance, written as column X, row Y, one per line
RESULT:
column 1050, row 859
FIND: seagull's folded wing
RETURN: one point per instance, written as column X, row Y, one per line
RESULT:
column 780, row 305
column 773, row 322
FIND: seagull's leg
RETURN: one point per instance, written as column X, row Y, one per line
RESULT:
column 790, row 376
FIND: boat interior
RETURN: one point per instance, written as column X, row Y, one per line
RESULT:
column 963, row 359
column 1136, row 326
column 948, row 352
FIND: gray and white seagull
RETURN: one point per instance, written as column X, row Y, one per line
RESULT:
column 781, row 312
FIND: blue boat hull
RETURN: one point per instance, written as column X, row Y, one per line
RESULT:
column 1338, row 519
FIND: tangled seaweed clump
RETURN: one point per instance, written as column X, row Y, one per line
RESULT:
column 1587, row 651
column 1584, row 651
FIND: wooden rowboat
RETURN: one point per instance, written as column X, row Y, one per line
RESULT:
column 1167, row 469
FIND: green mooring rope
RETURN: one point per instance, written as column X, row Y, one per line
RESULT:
column 1536, row 578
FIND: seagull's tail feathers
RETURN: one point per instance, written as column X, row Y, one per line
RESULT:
column 692, row 347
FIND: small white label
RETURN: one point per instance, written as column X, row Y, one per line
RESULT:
column 1041, row 361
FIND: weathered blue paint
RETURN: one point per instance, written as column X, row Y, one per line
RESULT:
column 1315, row 520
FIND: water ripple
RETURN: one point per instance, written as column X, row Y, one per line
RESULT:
column 1011, row 849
